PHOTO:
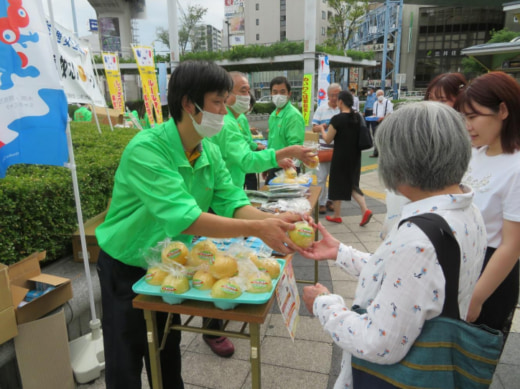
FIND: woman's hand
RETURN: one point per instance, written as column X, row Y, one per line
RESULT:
column 326, row 248
column 474, row 310
column 310, row 293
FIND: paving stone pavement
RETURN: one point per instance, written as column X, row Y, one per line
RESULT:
column 312, row 361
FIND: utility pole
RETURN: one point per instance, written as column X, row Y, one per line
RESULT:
column 173, row 25
column 228, row 44
column 309, row 46
column 73, row 6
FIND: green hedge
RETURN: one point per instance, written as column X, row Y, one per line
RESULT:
column 264, row 107
column 38, row 208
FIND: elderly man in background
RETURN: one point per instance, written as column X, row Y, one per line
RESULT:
column 321, row 121
column 236, row 152
column 382, row 108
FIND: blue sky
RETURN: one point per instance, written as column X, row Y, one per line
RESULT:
column 156, row 16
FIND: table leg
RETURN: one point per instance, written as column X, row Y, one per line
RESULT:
column 254, row 333
column 153, row 348
column 316, row 238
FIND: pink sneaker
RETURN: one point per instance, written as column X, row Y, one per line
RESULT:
column 221, row 346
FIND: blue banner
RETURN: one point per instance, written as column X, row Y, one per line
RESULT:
column 33, row 105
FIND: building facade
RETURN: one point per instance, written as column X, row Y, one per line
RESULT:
column 432, row 38
column 269, row 21
column 208, row 38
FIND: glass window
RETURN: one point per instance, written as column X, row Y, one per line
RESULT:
column 323, row 31
column 323, row 15
column 257, row 6
column 257, row 22
column 257, row 37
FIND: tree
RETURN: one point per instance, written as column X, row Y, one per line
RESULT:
column 189, row 20
column 342, row 22
column 472, row 66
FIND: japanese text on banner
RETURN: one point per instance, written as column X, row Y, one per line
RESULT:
column 115, row 86
column 306, row 97
column 145, row 63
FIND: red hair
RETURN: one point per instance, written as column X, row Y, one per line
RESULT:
column 449, row 83
column 490, row 90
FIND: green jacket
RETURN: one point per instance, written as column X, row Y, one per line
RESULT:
column 82, row 114
column 286, row 128
column 239, row 157
column 243, row 124
column 158, row 194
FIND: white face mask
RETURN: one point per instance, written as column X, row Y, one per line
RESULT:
column 241, row 104
column 210, row 125
column 279, row 100
column 380, row 98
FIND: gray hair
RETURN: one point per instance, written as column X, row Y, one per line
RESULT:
column 424, row 145
column 234, row 74
column 332, row 86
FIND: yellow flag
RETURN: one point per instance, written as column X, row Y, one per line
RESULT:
column 115, row 86
column 145, row 63
column 306, row 97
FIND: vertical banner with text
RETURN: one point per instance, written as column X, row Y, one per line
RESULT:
column 306, row 97
column 115, row 86
column 145, row 63
column 323, row 79
column 33, row 105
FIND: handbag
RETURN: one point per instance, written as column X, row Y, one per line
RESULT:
column 365, row 138
column 325, row 155
column 449, row 353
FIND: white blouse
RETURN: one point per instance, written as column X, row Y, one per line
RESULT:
column 401, row 285
column 496, row 182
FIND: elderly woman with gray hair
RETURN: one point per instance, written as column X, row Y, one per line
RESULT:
column 424, row 152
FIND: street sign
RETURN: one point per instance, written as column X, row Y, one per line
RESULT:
column 93, row 25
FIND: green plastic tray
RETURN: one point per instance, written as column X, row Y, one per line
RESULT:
column 142, row 287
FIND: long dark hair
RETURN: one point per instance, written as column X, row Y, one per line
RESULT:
column 348, row 100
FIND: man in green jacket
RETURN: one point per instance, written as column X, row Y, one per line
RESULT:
column 286, row 124
column 168, row 178
column 237, row 153
column 82, row 114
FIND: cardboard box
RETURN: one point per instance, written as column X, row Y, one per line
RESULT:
column 8, row 329
column 5, row 291
column 23, row 277
column 42, row 353
column 90, row 237
column 115, row 116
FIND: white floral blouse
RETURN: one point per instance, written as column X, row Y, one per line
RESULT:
column 401, row 285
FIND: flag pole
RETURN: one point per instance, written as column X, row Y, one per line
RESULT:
column 95, row 115
column 86, row 352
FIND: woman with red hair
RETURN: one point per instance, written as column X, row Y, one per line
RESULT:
column 491, row 106
column 445, row 88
